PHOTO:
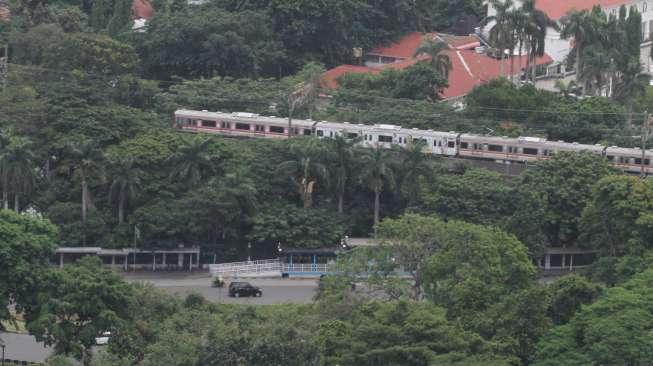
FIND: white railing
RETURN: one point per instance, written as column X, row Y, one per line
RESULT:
column 242, row 268
column 306, row 267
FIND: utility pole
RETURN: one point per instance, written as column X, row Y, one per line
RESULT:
column 645, row 131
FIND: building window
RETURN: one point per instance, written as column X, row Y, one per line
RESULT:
column 496, row 148
column 276, row 129
column 644, row 35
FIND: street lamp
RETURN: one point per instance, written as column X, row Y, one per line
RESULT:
column 344, row 242
column 279, row 247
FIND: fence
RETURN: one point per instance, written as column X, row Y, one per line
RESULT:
column 320, row 268
column 245, row 268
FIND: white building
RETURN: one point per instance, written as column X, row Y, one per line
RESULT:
column 559, row 48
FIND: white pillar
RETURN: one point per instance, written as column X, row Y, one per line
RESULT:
column 164, row 260
column 190, row 262
column 113, row 261
column 564, row 257
column 125, row 262
column 153, row 261
column 571, row 262
column 180, row 260
column 547, row 261
column 60, row 260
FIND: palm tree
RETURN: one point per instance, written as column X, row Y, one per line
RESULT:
column 518, row 19
column 414, row 167
column 87, row 164
column 535, row 26
column 632, row 84
column 577, row 25
column 501, row 33
column 192, row 160
column 125, row 185
column 434, row 48
column 304, row 173
column 5, row 138
column 343, row 151
column 377, row 174
column 597, row 64
column 17, row 169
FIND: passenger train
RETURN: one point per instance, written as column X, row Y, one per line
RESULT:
column 499, row 149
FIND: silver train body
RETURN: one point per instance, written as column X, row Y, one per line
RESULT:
column 499, row 149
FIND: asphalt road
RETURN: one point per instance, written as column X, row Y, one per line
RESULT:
column 24, row 347
column 275, row 291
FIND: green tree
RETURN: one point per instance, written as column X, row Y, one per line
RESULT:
column 17, row 167
column 472, row 268
column 415, row 171
column 121, row 19
column 193, row 160
column 78, row 303
column 87, row 159
column 26, row 244
column 434, row 50
column 615, row 219
column 568, row 294
column 551, row 197
column 577, row 25
column 501, row 33
column 342, row 149
column 304, row 169
column 614, row 330
column 125, row 185
column 377, row 174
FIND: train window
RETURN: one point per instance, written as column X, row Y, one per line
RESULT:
column 330, row 133
column 638, row 161
column 259, row 128
column 320, row 133
column 307, row 132
column 224, row 125
column 463, row 145
column 451, row 144
column 383, row 138
column 610, row 158
column 400, row 141
column 208, row 123
column 498, row 148
column 435, row 143
column 624, row 160
column 352, row 135
column 242, row 126
column 530, row 151
column 276, row 129
column 547, row 152
column 513, row 149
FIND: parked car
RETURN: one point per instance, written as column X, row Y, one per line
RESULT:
column 104, row 339
column 238, row 289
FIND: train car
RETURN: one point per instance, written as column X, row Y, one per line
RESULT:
column 521, row 149
column 630, row 160
column 239, row 124
column 500, row 149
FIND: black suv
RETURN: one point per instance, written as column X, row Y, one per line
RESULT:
column 238, row 289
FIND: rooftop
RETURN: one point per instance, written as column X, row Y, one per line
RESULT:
column 556, row 9
column 142, row 9
column 470, row 68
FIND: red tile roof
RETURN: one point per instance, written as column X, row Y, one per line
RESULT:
column 142, row 9
column 330, row 78
column 556, row 9
column 404, row 48
column 469, row 68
